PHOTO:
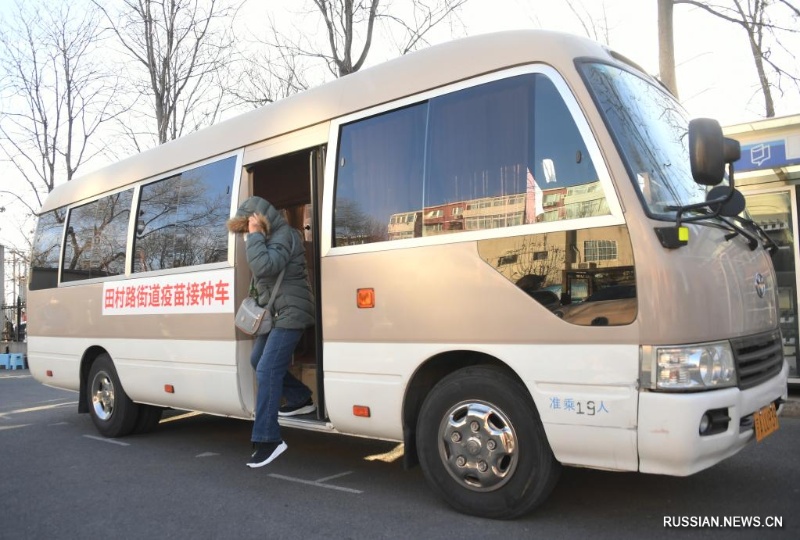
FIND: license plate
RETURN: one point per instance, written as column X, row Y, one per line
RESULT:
column 766, row 421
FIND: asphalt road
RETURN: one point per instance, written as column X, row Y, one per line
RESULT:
column 188, row 479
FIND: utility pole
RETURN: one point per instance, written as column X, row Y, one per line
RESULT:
column 2, row 275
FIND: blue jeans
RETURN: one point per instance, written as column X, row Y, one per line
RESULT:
column 271, row 356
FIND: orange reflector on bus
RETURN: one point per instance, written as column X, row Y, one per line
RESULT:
column 169, row 389
column 49, row 373
column 361, row 410
column 365, row 298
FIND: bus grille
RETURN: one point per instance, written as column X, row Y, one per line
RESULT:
column 758, row 358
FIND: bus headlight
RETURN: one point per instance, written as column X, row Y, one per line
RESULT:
column 696, row 367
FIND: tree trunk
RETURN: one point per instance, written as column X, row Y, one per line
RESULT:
column 769, row 105
column 666, row 46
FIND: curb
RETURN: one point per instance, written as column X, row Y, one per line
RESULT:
column 791, row 409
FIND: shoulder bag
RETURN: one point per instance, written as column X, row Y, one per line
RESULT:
column 253, row 319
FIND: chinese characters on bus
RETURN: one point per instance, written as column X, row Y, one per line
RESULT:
column 199, row 292
column 570, row 405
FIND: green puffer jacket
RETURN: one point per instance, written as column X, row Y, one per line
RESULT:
column 294, row 303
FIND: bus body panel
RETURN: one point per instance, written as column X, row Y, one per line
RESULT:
column 577, row 376
column 454, row 293
column 592, row 406
column 202, row 373
column 56, row 316
column 53, row 364
column 727, row 305
column 195, row 352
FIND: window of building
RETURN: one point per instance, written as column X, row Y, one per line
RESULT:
column 507, row 259
column 540, row 255
column 599, row 250
column 96, row 238
column 181, row 219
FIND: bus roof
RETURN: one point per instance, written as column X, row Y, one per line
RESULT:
column 407, row 75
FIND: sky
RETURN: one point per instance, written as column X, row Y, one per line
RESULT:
column 715, row 71
column 714, row 66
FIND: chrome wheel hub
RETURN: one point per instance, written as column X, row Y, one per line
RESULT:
column 478, row 445
column 102, row 392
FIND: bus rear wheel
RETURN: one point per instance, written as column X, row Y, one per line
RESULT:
column 112, row 411
column 482, row 446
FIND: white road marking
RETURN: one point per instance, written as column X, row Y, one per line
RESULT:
column 103, row 439
column 40, row 408
column 321, row 480
column 315, row 484
column 13, row 427
column 207, row 454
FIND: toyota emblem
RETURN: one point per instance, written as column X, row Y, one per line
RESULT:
column 761, row 285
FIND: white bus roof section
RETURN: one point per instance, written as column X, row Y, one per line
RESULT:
column 405, row 76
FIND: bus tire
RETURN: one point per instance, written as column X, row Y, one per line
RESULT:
column 112, row 411
column 148, row 419
column 482, row 446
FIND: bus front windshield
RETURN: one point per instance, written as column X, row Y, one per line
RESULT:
column 651, row 132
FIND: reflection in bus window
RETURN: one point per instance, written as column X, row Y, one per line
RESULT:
column 181, row 219
column 96, row 238
column 651, row 130
column 501, row 154
column 47, row 249
column 585, row 277
column 379, row 175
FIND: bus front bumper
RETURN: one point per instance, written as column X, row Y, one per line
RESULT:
column 669, row 438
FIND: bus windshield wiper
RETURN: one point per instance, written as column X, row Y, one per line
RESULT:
column 752, row 240
column 705, row 212
column 768, row 242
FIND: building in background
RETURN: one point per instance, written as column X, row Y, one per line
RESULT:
column 13, row 321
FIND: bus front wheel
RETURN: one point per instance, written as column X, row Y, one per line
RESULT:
column 482, row 446
column 112, row 411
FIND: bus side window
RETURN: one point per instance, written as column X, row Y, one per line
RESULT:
column 181, row 219
column 500, row 154
column 47, row 250
column 569, row 183
column 97, row 236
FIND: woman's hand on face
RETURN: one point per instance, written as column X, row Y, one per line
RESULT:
column 253, row 225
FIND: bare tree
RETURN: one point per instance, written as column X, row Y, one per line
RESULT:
column 354, row 226
column 594, row 28
column 349, row 26
column 421, row 18
column 666, row 47
column 342, row 20
column 184, row 47
column 348, row 37
column 757, row 18
column 268, row 73
column 56, row 97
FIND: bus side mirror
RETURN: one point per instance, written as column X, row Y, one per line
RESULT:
column 730, row 200
column 710, row 151
column 733, row 150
